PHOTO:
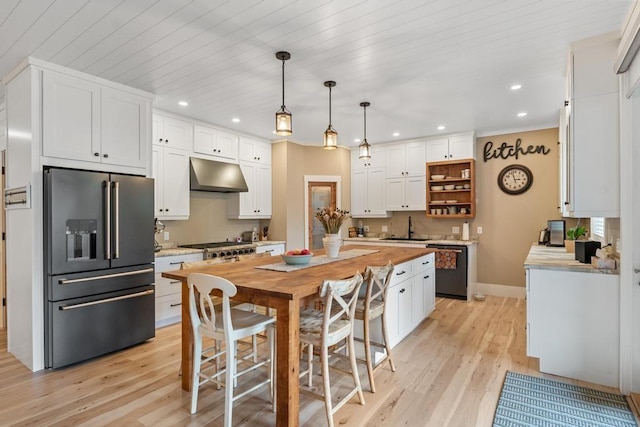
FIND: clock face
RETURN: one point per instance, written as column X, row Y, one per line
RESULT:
column 515, row 179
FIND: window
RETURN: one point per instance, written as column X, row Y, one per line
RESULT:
column 597, row 229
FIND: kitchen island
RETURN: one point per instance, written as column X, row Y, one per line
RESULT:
column 286, row 292
column 573, row 316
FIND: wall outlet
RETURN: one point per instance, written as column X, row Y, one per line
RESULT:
column 385, row 228
column 166, row 235
column 366, row 228
column 479, row 230
column 455, row 230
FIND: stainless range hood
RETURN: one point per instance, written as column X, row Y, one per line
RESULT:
column 220, row 177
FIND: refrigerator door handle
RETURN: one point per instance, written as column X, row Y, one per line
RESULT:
column 104, row 301
column 107, row 219
column 104, row 276
column 116, row 219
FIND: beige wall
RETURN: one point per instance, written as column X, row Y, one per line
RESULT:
column 510, row 223
column 291, row 162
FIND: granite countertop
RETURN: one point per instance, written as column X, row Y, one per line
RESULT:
column 177, row 251
column 270, row 242
column 428, row 240
column 556, row 258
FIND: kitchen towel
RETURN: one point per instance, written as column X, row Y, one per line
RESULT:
column 446, row 259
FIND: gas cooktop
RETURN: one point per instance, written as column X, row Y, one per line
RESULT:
column 214, row 245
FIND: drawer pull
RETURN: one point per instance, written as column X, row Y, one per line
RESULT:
column 175, row 281
column 426, row 277
column 176, row 304
column 402, row 290
column 176, row 262
column 400, row 273
column 425, row 263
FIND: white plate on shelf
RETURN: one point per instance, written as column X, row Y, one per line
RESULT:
column 451, row 201
column 437, row 202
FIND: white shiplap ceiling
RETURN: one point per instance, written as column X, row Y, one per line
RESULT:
column 421, row 63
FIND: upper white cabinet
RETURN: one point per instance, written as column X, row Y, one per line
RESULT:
column 172, row 132
column 590, row 141
column 255, row 163
column 377, row 160
column 406, row 159
column 406, row 194
column 170, row 170
column 214, row 142
column 85, row 121
column 251, row 150
column 367, row 193
column 454, row 147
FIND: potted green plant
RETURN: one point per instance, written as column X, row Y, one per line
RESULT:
column 573, row 234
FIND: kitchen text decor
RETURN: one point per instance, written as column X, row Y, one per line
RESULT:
column 505, row 151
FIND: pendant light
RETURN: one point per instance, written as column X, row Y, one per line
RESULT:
column 283, row 117
column 365, row 148
column 330, row 135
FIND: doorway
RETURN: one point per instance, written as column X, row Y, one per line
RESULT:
column 320, row 191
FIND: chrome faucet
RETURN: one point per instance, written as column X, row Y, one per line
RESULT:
column 410, row 228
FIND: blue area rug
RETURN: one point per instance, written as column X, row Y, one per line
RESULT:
column 530, row 401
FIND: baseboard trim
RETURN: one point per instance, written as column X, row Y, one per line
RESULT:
column 500, row 290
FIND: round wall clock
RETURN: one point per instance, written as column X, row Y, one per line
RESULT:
column 515, row 179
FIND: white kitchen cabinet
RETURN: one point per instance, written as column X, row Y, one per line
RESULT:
column 573, row 324
column 172, row 132
column 215, row 143
column 169, row 291
column 274, row 249
column 406, row 194
column 255, row 203
column 254, row 151
column 453, row 147
column 424, row 289
column 170, row 170
column 408, row 159
column 85, row 121
column 591, row 139
column 367, row 193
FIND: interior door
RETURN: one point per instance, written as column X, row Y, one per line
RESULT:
column 3, row 256
column 321, row 194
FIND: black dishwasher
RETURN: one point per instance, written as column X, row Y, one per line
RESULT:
column 451, row 270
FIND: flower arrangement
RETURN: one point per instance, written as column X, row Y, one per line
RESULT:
column 332, row 219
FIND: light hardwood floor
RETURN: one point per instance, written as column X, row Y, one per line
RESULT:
column 449, row 373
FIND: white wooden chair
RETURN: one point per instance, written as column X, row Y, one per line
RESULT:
column 328, row 327
column 228, row 325
column 370, row 307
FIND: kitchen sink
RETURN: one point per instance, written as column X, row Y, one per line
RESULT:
column 412, row 239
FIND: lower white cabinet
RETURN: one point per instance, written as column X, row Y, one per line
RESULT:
column 169, row 291
column 573, row 324
column 274, row 249
column 410, row 300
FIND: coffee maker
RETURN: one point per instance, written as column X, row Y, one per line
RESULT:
column 554, row 234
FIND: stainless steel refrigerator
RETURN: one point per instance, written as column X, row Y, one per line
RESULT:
column 99, row 292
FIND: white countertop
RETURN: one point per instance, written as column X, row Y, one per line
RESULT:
column 378, row 240
column 557, row 258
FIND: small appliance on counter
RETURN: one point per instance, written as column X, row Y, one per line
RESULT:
column 554, row 234
column 250, row 236
column 158, row 228
column 585, row 249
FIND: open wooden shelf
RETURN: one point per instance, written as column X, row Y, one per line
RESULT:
column 443, row 199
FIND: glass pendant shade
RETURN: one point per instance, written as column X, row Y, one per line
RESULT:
column 283, row 122
column 283, row 117
column 364, row 147
column 330, row 140
column 365, row 150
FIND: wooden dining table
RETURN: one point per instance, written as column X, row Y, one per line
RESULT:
column 285, row 292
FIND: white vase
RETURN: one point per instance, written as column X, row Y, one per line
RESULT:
column 332, row 243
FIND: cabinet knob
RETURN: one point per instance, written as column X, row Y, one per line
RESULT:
column 402, row 290
column 566, row 203
column 166, row 210
column 161, row 210
column 160, row 140
column 166, row 141
column 96, row 154
column 105, row 155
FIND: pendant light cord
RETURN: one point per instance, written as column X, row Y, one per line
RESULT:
column 365, row 122
column 283, row 84
column 329, row 106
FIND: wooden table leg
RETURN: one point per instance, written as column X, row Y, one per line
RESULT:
column 187, row 339
column 287, row 363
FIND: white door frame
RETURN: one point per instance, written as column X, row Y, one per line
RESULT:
column 319, row 178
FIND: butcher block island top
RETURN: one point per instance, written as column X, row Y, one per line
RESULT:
column 286, row 292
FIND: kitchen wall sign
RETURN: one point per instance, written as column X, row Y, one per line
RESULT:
column 505, row 151
column 515, row 179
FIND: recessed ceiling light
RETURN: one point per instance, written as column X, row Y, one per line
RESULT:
column 235, row 120
column 441, row 127
column 357, row 140
column 183, row 103
column 516, row 86
column 396, row 134
column 522, row 114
